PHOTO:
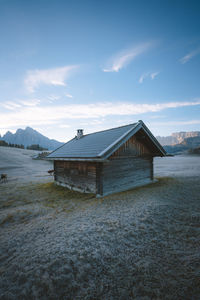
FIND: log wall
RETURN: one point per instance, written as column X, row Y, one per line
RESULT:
column 128, row 167
column 76, row 175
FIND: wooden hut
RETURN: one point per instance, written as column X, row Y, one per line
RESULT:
column 108, row 161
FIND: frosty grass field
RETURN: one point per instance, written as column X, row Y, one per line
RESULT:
column 139, row 244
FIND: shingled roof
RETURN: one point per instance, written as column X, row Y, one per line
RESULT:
column 100, row 145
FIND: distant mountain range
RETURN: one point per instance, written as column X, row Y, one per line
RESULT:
column 177, row 137
column 180, row 142
column 28, row 137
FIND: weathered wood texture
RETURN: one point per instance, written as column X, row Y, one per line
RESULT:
column 133, row 147
column 145, row 140
column 99, row 179
column 76, row 175
column 121, row 174
column 128, row 167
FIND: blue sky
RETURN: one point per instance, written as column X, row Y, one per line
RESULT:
column 99, row 64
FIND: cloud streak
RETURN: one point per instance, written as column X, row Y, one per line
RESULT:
column 69, row 96
column 175, row 123
column 123, row 58
column 10, row 105
column 142, row 77
column 189, row 56
column 56, row 77
column 40, row 115
column 14, row 105
column 148, row 74
column 31, row 102
column 153, row 75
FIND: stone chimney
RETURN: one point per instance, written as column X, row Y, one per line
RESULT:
column 79, row 133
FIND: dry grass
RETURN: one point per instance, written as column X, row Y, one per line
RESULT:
column 60, row 196
column 8, row 218
column 139, row 244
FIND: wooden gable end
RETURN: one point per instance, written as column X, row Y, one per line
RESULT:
column 133, row 147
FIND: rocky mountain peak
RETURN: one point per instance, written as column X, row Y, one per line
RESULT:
column 30, row 136
column 177, row 137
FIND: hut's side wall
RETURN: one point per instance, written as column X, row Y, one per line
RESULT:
column 121, row 174
column 79, row 176
column 128, row 167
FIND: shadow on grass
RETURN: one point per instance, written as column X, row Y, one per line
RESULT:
column 58, row 194
column 61, row 197
column 160, row 182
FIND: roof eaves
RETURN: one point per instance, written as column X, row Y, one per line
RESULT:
column 88, row 159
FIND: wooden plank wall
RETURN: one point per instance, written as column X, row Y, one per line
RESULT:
column 133, row 147
column 130, row 166
column 80, row 175
column 125, row 173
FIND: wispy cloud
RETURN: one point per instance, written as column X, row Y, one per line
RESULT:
column 40, row 115
column 31, row 102
column 11, row 105
column 15, row 105
column 153, row 75
column 142, row 77
column 175, row 123
column 148, row 74
column 123, row 58
column 56, row 77
column 69, row 96
column 53, row 98
column 189, row 56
